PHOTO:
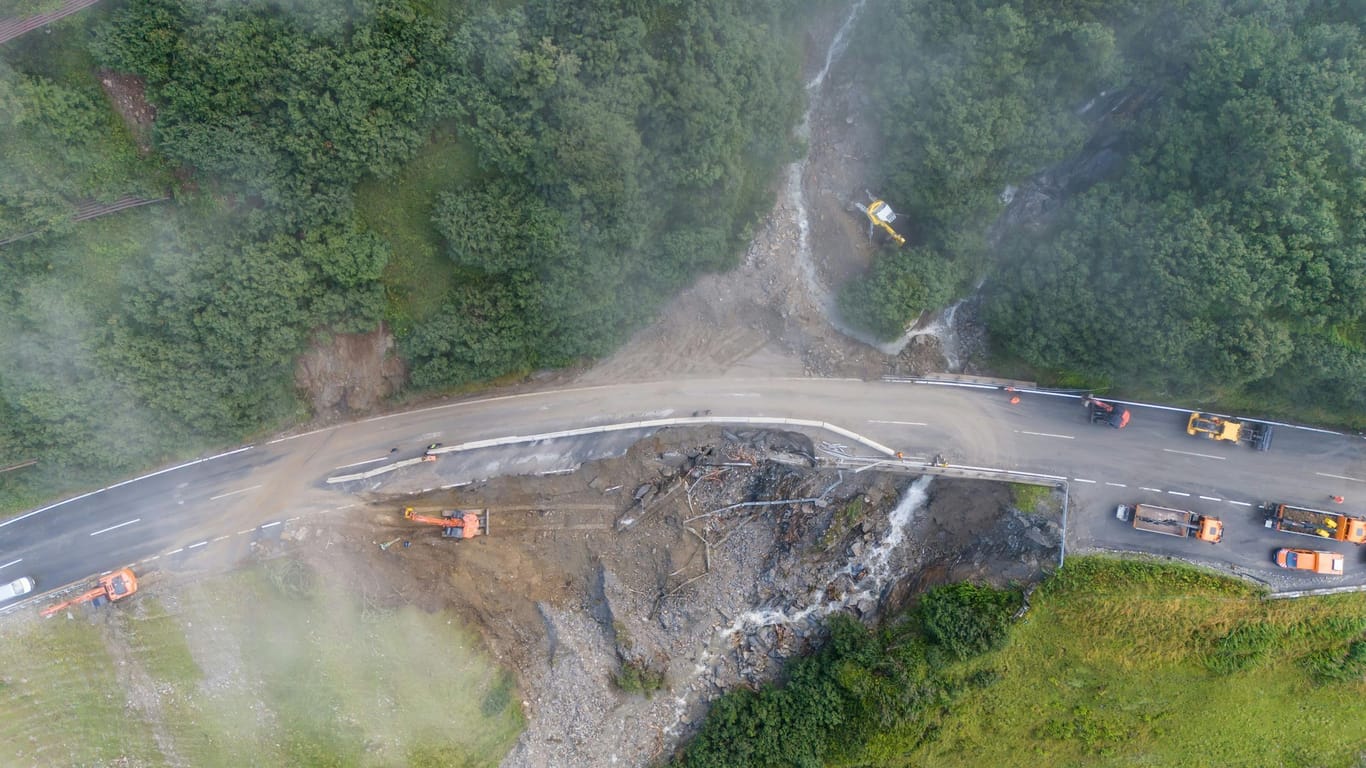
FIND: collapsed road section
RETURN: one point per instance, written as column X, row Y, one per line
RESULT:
column 697, row 561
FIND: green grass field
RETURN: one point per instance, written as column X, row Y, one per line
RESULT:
column 400, row 209
column 263, row 667
column 1128, row 663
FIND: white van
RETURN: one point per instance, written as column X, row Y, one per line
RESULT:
column 17, row 588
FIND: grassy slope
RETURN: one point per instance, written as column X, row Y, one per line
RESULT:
column 1109, row 668
column 60, row 703
column 400, row 210
column 243, row 674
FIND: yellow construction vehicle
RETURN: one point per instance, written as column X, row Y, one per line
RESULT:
column 1218, row 428
column 881, row 215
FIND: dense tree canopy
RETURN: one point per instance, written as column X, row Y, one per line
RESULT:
column 56, row 150
column 1216, row 253
column 624, row 151
column 1230, row 256
column 618, row 148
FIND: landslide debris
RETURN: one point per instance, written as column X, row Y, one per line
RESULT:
column 629, row 594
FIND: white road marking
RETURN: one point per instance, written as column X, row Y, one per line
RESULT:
column 1201, row 455
column 287, row 520
column 1240, row 503
column 272, row 525
column 12, row 562
column 1117, row 485
column 903, row 423
column 1340, row 477
column 243, row 533
column 120, row 525
column 178, row 466
column 1049, row 434
column 1178, row 493
column 1083, row 480
column 153, row 557
column 361, row 463
column 1211, row 498
column 199, row 544
column 175, row 551
column 742, row 394
column 220, row 538
column 232, row 493
column 1154, row 490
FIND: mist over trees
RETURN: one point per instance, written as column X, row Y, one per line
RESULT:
column 618, row 149
column 1222, row 258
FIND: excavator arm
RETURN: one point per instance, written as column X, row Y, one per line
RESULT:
column 77, row 600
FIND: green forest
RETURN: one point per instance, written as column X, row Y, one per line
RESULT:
column 509, row 187
column 1213, row 250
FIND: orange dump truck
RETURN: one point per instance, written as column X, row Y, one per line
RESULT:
column 1326, row 563
column 1172, row 522
column 1313, row 522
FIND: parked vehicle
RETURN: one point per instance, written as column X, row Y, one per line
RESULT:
column 1313, row 522
column 1251, row 433
column 1172, row 522
column 15, row 589
column 1326, row 563
column 1109, row 414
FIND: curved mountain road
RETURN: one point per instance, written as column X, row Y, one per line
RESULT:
column 203, row 507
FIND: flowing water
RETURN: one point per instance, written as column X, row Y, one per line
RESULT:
column 941, row 325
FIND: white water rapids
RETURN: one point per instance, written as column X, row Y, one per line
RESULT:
column 872, row 572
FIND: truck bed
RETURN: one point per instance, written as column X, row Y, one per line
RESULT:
column 1164, row 520
column 1306, row 521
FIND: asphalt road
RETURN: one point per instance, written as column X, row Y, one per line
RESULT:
column 205, row 507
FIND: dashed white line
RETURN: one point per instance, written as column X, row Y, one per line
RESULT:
column 362, row 463
column 742, row 394
column 1083, row 480
column 220, row 538
column 287, row 520
column 1154, row 490
column 153, row 557
column 1117, row 485
column 120, row 525
column 233, row 493
column 1201, row 455
column 175, row 551
column 1211, row 498
column 1178, row 493
column 272, row 525
column 1240, row 503
column 12, row 562
column 243, row 533
column 1049, row 434
column 198, row 544
column 1340, row 477
column 902, row 423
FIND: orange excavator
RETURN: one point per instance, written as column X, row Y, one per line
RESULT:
column 110, row 588
column 455, row 523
